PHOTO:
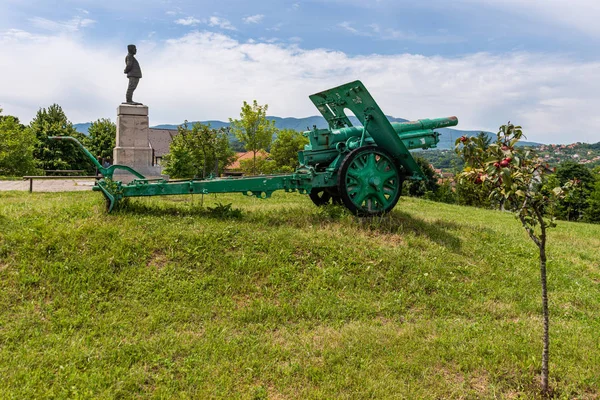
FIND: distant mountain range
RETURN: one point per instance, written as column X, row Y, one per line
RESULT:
column 447, row 137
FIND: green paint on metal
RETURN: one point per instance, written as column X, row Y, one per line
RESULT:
column 106, row 172
column 370, row 180
column 355, row 97
column 363, row 167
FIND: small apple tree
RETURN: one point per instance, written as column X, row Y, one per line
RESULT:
column 516, row 180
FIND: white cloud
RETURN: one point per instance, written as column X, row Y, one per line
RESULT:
column 554, row 98
column 220, row 23
column 173, row 12
column 212, row 21
column 276, row 27
column 254, row 19
column 72, row 25
column 581, row 15
column 375, row 31
column 19, row 35
column 347, row 26
column 188, row 21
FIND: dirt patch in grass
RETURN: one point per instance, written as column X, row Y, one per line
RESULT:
column 242, row 301
column 317, row 339
column 480, row 382
column 158, row 260
column 275, row 394
column 389, row 240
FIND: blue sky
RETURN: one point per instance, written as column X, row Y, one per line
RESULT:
column 534, row 62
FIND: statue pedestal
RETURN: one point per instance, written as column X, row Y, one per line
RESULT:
column 133, row 145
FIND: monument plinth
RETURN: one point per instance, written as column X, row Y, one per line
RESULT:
column 133, row 144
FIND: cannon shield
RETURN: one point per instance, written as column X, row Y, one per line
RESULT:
column 355, row 97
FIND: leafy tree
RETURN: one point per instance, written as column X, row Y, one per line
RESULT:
column 444, row 159
column 444, row 194
column 284, row 150
column 592, row 212
column 516, row 180
column 16, row 147
column 569, row 170
column 420, row 188
column 470, row 194
column 261, row 165
column 483, row 140
column 198, row 152
column 253, row 129
column 53, row 154
column 574, row 205
column 101, row 140
column 179, row 162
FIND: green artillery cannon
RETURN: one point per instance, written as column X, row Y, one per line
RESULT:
column 362, row 168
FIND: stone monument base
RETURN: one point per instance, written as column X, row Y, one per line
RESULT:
column 133, row 145
column 137, row 158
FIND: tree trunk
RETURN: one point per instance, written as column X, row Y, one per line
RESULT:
column 254, row 163
column 541, row 244
column 546, row 351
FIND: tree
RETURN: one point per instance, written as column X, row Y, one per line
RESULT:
column 467, row 192
column 16, row 147
column 262, row 165
column 574, row 205
column 285, row 148
column 470, row 194
column 420, row 188
column 516, row 180
column 592, row 212
column 179, row 163
column 569, row 170
column 53, row 154
column 483, row 140
column 253, row 129
column 101, row 140
column 198, row 152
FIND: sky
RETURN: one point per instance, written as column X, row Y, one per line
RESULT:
column 535, row 63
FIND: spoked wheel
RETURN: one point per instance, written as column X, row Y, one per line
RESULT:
column 323, row 196
column 369, row 181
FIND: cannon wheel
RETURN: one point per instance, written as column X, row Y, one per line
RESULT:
column 369, row 181
column 323, row 196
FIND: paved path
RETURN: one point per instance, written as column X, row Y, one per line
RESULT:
column 50, row 185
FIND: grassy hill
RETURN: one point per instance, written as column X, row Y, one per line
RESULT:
column 282, row 299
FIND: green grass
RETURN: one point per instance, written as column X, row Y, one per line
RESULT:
column 164, row 299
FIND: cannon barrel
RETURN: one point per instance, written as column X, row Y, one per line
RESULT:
column 414, row 134
column 436, row 123
column 402, row 127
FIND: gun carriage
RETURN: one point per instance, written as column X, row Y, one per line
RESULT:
column 361, row 167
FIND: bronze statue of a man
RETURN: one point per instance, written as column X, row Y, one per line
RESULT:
column 134, row 73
